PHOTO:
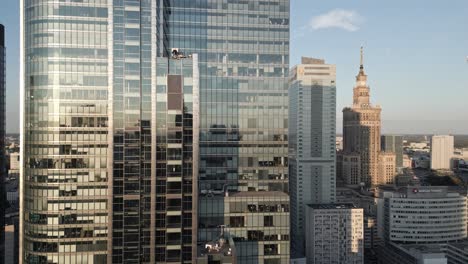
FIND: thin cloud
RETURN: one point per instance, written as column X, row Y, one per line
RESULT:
column 338, row 18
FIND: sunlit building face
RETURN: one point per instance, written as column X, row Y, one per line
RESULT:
column 94, row 121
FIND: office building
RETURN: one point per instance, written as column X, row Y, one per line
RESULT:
column 243, row 49
column 177, row 123
column 3, row 172
column 312, row 132
column 394, row 144
column 405, row 219
column 387, row 169
column 108, row 161
column 361, row 137
column 14, row 161
column 334, row 234
column 442, row 152
column 418, row 225
column 371, row 239
column 93, row 114
column 11, row 244
column 351, row 168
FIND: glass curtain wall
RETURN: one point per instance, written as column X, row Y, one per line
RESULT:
column 131, row 115
column 65, row 177
column 244, row 60
column 3, row 173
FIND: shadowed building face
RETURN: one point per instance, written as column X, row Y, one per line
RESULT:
column 2, row 135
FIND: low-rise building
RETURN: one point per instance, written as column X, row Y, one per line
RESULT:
column 406, row 161
column 462, row 165
column 421, row 162
column 406, row 179
column 393, row 253
column 419, row 146
column 298, row 261
column 457, row 253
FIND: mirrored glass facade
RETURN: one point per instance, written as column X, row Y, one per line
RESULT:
column 104, row 172
column 244, row 60
column 3, row 173
column 65, row 207
column 177, row 122
column 131, row 116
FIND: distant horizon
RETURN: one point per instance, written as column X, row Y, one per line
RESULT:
column 448, row 129
column 341, row 133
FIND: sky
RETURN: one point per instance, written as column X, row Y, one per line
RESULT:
column 415, row 57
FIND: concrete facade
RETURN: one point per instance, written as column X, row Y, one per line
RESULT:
column 442, row 151
column 312, row 132
column 422, row 215
column 393, row 143
column 335, row 234
column 361, row 136
column 387, row 169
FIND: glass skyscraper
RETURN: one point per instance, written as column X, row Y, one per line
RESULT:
column 66, row 176
column 99, row 179
column 244, row 55
column 2, row 137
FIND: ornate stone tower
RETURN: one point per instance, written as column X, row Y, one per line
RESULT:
column 361, row 135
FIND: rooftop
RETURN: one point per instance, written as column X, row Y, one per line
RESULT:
column 333, row 206
column 307, row 60
column 463, row 245
column 424, row 192
column 258, row 194
column 416, row 249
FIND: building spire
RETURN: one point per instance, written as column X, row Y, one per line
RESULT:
column 362, row 58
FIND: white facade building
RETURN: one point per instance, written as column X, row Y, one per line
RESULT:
column 312, row 133
column 334, row 234
column 442, row 148
column 422, row 215
column 14, row 161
